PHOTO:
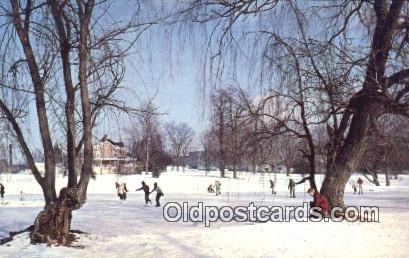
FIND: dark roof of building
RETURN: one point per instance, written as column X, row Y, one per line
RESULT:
column 119, row 144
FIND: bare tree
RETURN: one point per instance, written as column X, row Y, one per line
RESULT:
column 62, row 45
column 380, row 94
column 230, row 135
column 158, row 156
column 286, row 114
column 53, row 223
column 237, row 134
column 180, row 136
column 344, row 84
column 372, row 160
column 387, row 149
column 149, row 128
column 220, row 116
column 287, row 147
column 206, row 151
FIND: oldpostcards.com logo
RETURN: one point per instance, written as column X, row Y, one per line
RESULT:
column 207, row 214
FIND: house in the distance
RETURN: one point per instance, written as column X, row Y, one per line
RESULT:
column 112, row 157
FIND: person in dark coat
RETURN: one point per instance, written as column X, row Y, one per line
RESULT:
column 291, row 187
column 272, row 187
column 210, row 189
column 145, row 189
column 2, row 190
column 319, row 201
column 159, row 193
column 360, row 182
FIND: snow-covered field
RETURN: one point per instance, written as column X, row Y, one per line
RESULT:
column 133, row 229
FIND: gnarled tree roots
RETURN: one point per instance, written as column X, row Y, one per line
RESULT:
column 52, row 225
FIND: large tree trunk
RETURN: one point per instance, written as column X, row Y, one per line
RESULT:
column 312, row 173
column 347, row 158
column 52, row 225
column 365, row 106
column 333, row 188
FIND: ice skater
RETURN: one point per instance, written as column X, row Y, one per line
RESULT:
column 2, row 191
column 354, row 187
column 159, row 193
column 291, row 187
column 210, row 189
column 217, row 186
column 272, row 187
column 360, row 182
column 21, row 195
column 145, row 189
column 121, row 190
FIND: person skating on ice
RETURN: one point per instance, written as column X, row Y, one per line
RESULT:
column 159, row 193
column 145, row 189
column 2, row 190
column 354, row 187
column 272, row 185
column 360, row 182
column 121, row 190
column 217, row 186
column 291, row 187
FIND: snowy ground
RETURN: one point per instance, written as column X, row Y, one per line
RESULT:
column 133, row 229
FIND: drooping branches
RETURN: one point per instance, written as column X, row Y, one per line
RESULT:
column 337, row 65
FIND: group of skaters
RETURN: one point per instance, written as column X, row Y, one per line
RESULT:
column 156, row 188
column 354, row 185
column 291, row 186
column 319, row 200
column 122, row 190
column 216, row 187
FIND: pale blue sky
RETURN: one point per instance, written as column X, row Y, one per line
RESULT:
column 167, row 60
column 162, row 62
column 170, row 61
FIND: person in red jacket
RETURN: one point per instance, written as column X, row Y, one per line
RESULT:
column 319, row 201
